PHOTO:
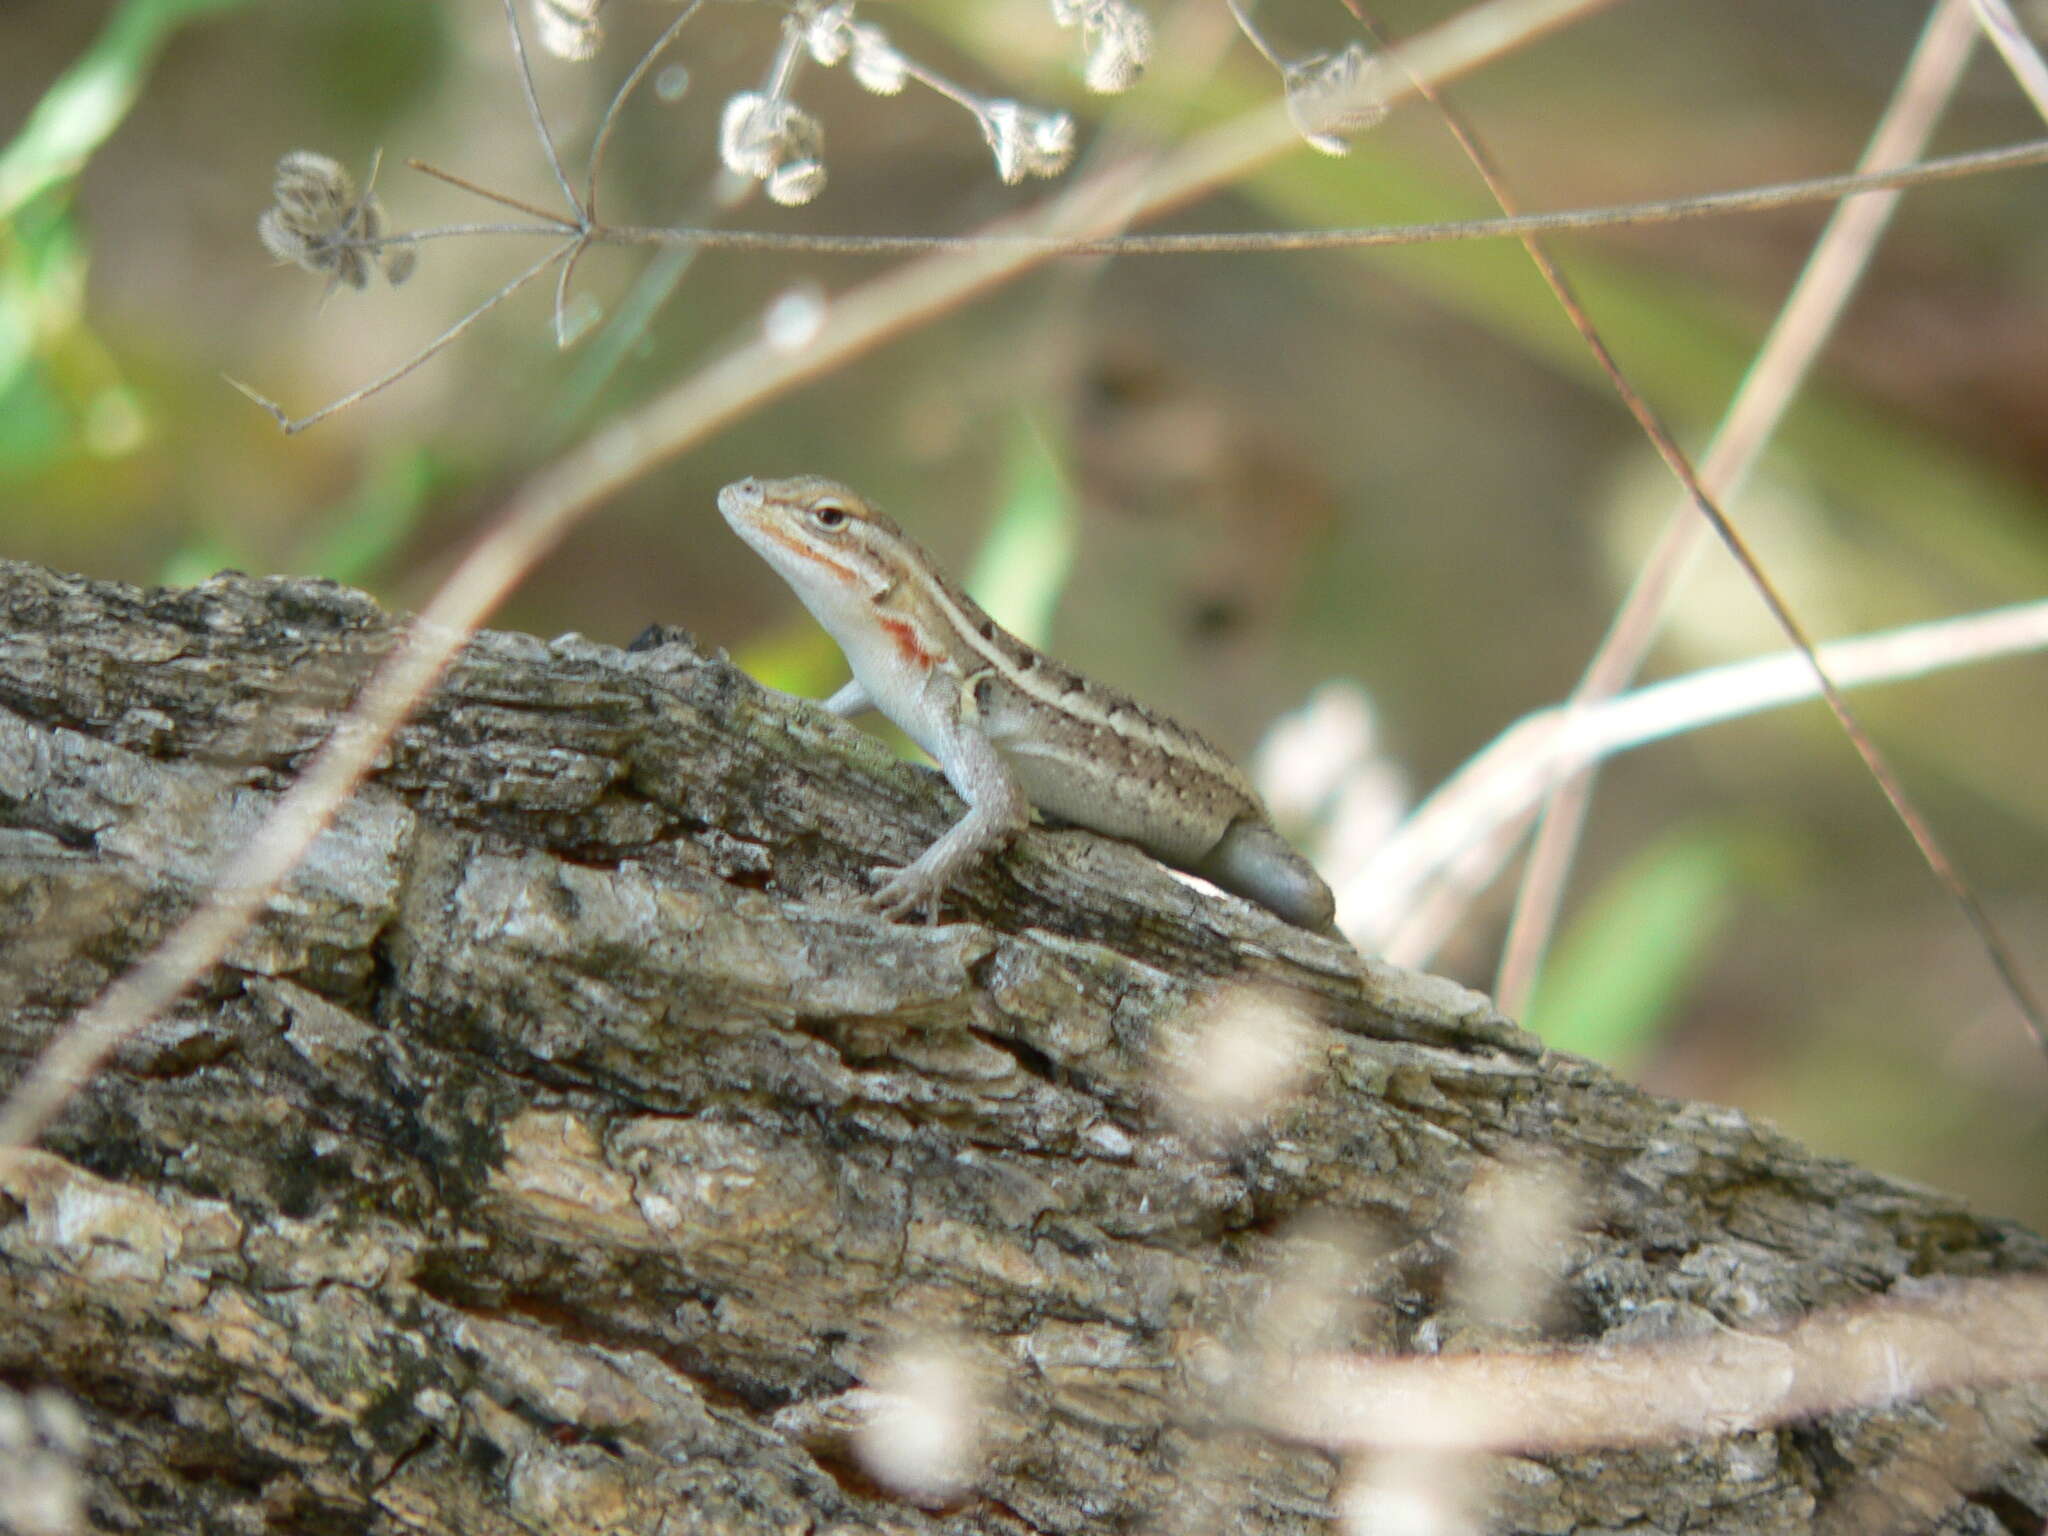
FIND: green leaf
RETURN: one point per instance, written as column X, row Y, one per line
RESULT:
column 368, row 526
column 1024, row 561
column 201, row 556
column 87, row 102
column 1625, row 964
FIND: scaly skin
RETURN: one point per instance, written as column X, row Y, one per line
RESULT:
column 1008, row 726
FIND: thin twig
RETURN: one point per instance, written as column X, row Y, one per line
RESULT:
column 1774, row 380
column 453, row 180
column 1252, row 35
column 1519, row 958
column 2018, row 50
column 562, row 279
column 595, row 169
column 602, row 142
column 540, row 122
column 544, row 509
column 1499, row 786
column 789, row 55
column 293, row 425
column 553, row 230
column 2003, row 961
column 1819, row 189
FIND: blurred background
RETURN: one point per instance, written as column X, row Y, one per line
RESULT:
column 1224, row 483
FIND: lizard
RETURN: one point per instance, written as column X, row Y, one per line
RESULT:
column 1009, row 727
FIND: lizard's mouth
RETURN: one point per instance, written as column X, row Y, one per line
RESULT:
column 745, row 506
column 804, row 552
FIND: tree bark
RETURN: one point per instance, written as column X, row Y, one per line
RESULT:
column 565, row 1151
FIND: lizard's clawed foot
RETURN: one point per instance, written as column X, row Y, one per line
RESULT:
column 899, row 893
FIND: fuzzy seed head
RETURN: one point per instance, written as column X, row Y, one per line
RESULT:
column 318, row 222
column 876, row 63
column 569, row 29
column 399, row 261
column 796, row 182
column 312, row 190
column 759, row 135
column 1027, row 142
column 1326, row 99
column 1232, row 1062
column 828, row 33
column 1119, row 41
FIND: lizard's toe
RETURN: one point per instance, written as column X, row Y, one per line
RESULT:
column 899, row 893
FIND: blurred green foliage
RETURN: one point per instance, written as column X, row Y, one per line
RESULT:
column 60, row 391
column 1617, row 979
column 1024, row 561
column 88, row 102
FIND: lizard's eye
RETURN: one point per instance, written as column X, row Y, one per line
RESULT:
column 828, row 515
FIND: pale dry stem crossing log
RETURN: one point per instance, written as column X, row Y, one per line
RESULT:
column 563, row 1153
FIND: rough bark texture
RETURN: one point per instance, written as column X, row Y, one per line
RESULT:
column 563, row 1152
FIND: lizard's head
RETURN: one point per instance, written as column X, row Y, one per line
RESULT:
column 821, row 536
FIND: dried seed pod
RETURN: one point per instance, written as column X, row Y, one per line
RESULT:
column 318, row 223
column 569, row 29
column 796, row 182
column 876, row 63
column 399, row 261
column 828, row 33
column 313, row 191
column 1326, row 98
column 758, row 133
column 1119, row 41
column 1027, row 142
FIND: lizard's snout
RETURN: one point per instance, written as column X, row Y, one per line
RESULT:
column 740, row 498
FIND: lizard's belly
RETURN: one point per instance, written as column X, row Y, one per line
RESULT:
column 1172, row 817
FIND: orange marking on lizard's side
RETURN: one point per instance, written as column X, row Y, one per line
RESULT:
column 905, row 636
column 845, row 573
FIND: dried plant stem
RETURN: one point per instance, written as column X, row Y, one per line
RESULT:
column 414, row 163
column 1497, row 788
column 1521, row 957
column 1781, row 195
column 552, row 231
column 1774, row 380
column 595, row 169
column 539, row 118
column 1253, row 36
column 2018, row 50
column 1970, row 1333
column 554, row 499
column 294, row 424
column 1818, row 189
column 602, row 142
column 694, row 238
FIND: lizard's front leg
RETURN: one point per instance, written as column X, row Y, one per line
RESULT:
column 997, row 811
column 850, row 701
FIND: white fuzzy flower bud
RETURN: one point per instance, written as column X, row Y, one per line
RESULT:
column 1326, row 98
column 876, row 63
column 796, row 182
column 1027, row 142
column 1119, row 41
column 569, row 29
column 316, row 221
column 828, row 33
column 759, row 135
